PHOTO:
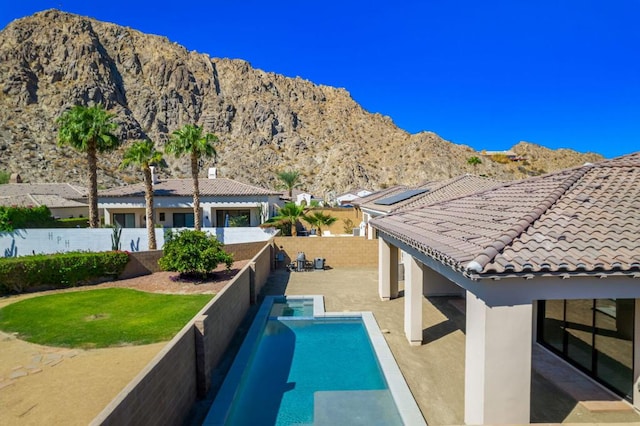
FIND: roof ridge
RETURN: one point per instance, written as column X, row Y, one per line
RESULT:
column 33, row 199
column 507, row 237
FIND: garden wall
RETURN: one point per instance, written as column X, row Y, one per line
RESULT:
column 337, row 251
column 24, row 242
column 342, row 214
column 163, row 393
column 167, row 388
column 146, row 262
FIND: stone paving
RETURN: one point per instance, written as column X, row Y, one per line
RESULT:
column 434, row 371
column 41, row 358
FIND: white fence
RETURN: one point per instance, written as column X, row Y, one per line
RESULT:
column 24, row 242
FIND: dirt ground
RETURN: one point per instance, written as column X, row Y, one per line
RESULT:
column 47, row 385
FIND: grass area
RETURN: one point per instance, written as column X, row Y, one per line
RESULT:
column 100, row 318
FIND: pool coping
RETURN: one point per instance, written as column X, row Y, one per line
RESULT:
column 405, row 402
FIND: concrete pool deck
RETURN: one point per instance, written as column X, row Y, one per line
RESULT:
column 434, row 371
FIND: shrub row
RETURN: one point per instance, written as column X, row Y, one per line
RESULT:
column 24, row 217
column 21, row 274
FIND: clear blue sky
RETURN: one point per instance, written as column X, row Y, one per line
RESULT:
column 563, row 74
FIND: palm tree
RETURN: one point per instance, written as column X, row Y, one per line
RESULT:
column 474, row 161
column 190, row 140
column 89, row 130
column 290, row 213
column 319, row 219
column 290, row 179
column 142, row 154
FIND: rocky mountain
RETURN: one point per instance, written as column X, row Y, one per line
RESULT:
column 265, row 122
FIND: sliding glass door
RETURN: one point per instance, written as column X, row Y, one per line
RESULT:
column 594, row 335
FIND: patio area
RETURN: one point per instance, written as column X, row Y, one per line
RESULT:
column 434, row 371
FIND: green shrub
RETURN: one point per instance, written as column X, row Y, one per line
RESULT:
column 24, row 217
column 20, row 274
column 193, row 253
column 72, row 222
column 348, row 225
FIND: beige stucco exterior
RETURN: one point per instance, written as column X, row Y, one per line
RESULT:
column 500, row 325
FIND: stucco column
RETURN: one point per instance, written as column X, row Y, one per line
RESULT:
column 413, row 276
column 387, row 270
column 497, row 362
column 636, row 358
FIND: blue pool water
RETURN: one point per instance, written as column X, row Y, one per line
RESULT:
column 305, row 371
column 292, row 308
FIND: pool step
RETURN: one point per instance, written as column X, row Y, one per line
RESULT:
column 367, row 408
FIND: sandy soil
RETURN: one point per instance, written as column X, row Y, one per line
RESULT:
column 46, row 385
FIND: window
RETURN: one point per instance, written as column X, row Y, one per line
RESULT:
column 594, row 335
column 183, row 220
column 162, row 217
column 124, row 220
column 233, row 218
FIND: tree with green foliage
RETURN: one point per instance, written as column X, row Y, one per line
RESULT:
column 193, row 253
column 12, row 218
column 89, row 130
column 189, row 140
column 142, row 155
column 289, row 214
column 290, row 180
column 319, row 219
column 474, row 161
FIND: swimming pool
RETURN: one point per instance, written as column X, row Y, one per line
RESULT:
column 309, row 367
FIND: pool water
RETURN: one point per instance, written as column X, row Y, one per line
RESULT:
column 292, row 308
column 297, row 369
column 297, row 361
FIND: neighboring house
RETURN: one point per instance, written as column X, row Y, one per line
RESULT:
column 347, row 197
column 399, row 197
column 552, row 262
column 224, row 202
column 63, row 200
column 298, row 197
column 507, row 154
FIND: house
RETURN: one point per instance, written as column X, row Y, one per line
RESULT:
column 223, row 202
column 300, row 198
column 552, row 262
column 64, row 200
column 509, row 155
column 347, row 197
column 400, row 196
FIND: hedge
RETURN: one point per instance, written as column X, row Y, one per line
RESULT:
column 29, row 273
column 24, row 217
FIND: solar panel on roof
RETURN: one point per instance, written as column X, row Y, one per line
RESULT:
column 389, row 201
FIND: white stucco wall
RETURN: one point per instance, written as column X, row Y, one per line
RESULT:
column 25, row 242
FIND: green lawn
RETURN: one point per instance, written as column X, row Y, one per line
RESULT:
column 100, row 318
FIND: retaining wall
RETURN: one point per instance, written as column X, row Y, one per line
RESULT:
column 163, row 393
column 167, row 388
column 337, row 251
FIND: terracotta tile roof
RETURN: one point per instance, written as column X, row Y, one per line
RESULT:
column 448, row 189
column 28, row 200
column 64, row 190
column 577, row 221
column 436, row 191
column 184, row 187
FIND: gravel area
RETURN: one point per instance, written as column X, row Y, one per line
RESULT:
column 170, row 283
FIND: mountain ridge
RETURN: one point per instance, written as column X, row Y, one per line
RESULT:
column 266, row 122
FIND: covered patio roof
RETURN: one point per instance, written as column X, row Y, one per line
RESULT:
column 580, row 221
